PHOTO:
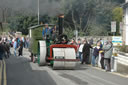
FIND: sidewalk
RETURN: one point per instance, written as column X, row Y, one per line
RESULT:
column 122, row 64
column 26, row 53
column 119, row 65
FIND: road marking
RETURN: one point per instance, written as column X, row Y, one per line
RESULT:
column 1, row 66
column 5, row 76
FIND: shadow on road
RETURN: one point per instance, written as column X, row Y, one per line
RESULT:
column 19, row 72
column 74, row 79
column 82, row 67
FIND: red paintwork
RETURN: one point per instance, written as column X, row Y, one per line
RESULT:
column 61, row 46
column 66, row 59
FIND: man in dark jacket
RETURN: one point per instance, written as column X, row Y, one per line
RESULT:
column 21, row 48
column 2, row 50
column 7, row 49
column 86, row 52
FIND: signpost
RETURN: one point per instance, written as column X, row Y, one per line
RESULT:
column 121, row 27
column 38, row 12
column 76, row 34
column 113, row 27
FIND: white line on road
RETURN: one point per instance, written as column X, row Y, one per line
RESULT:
column 5, row 76
column 1, row 68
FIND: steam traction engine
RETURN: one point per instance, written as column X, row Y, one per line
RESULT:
column 59, row 54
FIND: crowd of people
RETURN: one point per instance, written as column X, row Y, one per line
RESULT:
column 85, row 47
column 102, row 47
column 17, row 43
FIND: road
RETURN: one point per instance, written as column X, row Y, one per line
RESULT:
column 20, row 71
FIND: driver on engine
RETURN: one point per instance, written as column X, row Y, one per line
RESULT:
column 46, row 32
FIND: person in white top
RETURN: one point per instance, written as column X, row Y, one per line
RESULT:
column 80, row 51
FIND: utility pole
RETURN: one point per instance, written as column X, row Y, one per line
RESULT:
column 38, row 12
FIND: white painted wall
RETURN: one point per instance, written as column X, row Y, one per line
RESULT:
column 30, row 33
column 126, row 26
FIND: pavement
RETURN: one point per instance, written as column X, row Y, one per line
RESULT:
column 20, row 71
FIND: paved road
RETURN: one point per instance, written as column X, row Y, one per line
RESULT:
column 20, row 71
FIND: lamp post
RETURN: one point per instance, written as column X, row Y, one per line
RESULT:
column 38, row 12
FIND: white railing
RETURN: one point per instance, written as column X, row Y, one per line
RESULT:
column 122, row 59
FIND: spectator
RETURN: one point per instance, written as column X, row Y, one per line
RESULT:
column 7, row 49
column 21, row 48
column 80, row 51
column 23, row 40
column 100, row 42
column 91, row 41
column 102, row 59
column 86, row 52
column 46, row 32
column 1, row 49
column 78, row 43
column 95, row 54
column 54, row 32
column 108, row 48
column 15, row 46
column 27, row 42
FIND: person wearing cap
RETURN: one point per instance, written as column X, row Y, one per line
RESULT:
column 46, row 31
column 2, row 50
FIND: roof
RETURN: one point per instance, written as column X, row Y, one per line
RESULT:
column 33, row 27
column 125, row 5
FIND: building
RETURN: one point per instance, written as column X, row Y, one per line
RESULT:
column 125, row 21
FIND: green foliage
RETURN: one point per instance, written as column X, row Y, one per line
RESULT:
column 83, row 15
column 6, row 27
column 119, row 1
column 90, row 17
column 47, row 19
column 69, row 32
column 96, row 31
column 81, row 33
column 117, row 14
column 22, row 23
column 124, row 48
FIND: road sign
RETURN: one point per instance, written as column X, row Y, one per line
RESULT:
column 113, row 26
column 121, row 27
column 117, row 40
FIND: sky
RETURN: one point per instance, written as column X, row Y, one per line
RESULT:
column 50, row 7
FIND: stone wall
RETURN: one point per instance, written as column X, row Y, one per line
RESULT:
column 96, row 38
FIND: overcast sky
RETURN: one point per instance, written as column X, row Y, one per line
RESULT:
column 51, row 7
